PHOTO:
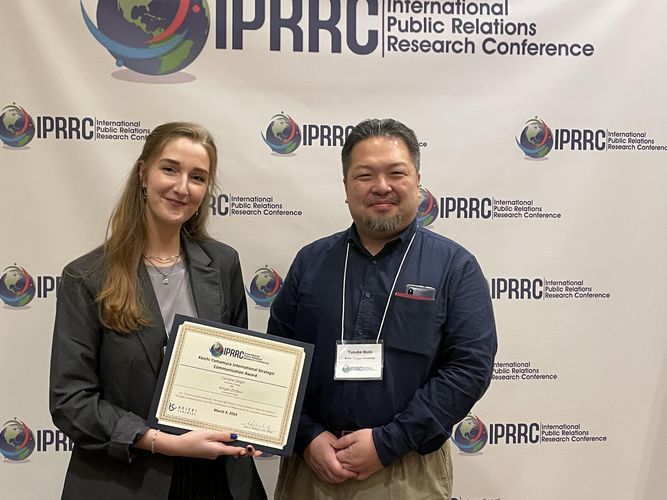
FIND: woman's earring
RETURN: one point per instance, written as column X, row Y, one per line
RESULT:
column 143, row 192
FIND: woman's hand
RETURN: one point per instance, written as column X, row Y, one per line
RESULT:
column 194, row 444
column 202, row 444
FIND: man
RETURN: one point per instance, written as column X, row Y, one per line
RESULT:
column 404, row 336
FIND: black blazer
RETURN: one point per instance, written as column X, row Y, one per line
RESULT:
column 102, row 382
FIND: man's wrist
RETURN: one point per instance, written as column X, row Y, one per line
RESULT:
column 305, row 436
column 390, row 444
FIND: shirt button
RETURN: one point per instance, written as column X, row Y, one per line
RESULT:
column 367, row 295
column 375, row 261
column 360, row 332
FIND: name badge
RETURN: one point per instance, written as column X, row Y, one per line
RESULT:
column 357, row 361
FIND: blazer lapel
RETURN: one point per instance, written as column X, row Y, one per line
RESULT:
column 154, row 336
column 204, row 281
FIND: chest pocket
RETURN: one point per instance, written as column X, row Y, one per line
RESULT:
column 412, row 326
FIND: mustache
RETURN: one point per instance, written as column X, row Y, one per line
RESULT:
column 391, row 198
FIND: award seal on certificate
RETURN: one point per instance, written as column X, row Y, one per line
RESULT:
column 221, row 377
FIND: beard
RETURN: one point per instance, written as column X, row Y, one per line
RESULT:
column 389, row 224
column 383, row 224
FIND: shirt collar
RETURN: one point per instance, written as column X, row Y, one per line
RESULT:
column 401, row 239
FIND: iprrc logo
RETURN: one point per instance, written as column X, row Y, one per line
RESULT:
column 17, row 442
column 283, row 135
column 216, row 350
column 490, row 208
column 470, row 435
column 258, row 205
column 16, row 126
column 331, row 26
column 152, row 37
column 543, row 288
column 427, row 211
column 536, row 139
column 264, row 286
column 17, row 287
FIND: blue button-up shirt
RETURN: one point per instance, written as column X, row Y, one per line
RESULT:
column 438, row 351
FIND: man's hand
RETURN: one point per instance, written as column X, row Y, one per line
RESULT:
column 357, row 453
column 320, row 455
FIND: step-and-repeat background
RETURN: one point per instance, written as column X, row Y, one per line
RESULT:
column 544, row 149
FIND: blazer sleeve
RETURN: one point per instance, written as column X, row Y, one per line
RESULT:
column 239, row 307
column 76, row 390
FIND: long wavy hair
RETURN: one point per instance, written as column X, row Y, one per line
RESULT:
column 121, row 306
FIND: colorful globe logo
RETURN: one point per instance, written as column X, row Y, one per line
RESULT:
column 536, row 139
column 427, row 211
column 265, row 286
column 17, row 288
column 283, row 135
column 16, row 126
column 470, row 435
column 17, row 442
column 216, row 350
column 152, row 37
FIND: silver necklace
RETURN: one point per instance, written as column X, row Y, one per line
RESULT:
column 165, row 276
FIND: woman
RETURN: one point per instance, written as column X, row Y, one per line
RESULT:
column 114, row 310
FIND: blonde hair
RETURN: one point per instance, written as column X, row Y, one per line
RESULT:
column 121, row 306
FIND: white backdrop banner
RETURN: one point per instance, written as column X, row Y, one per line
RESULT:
column 544, row 152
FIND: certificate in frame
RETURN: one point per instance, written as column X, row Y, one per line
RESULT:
column 222, row 377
